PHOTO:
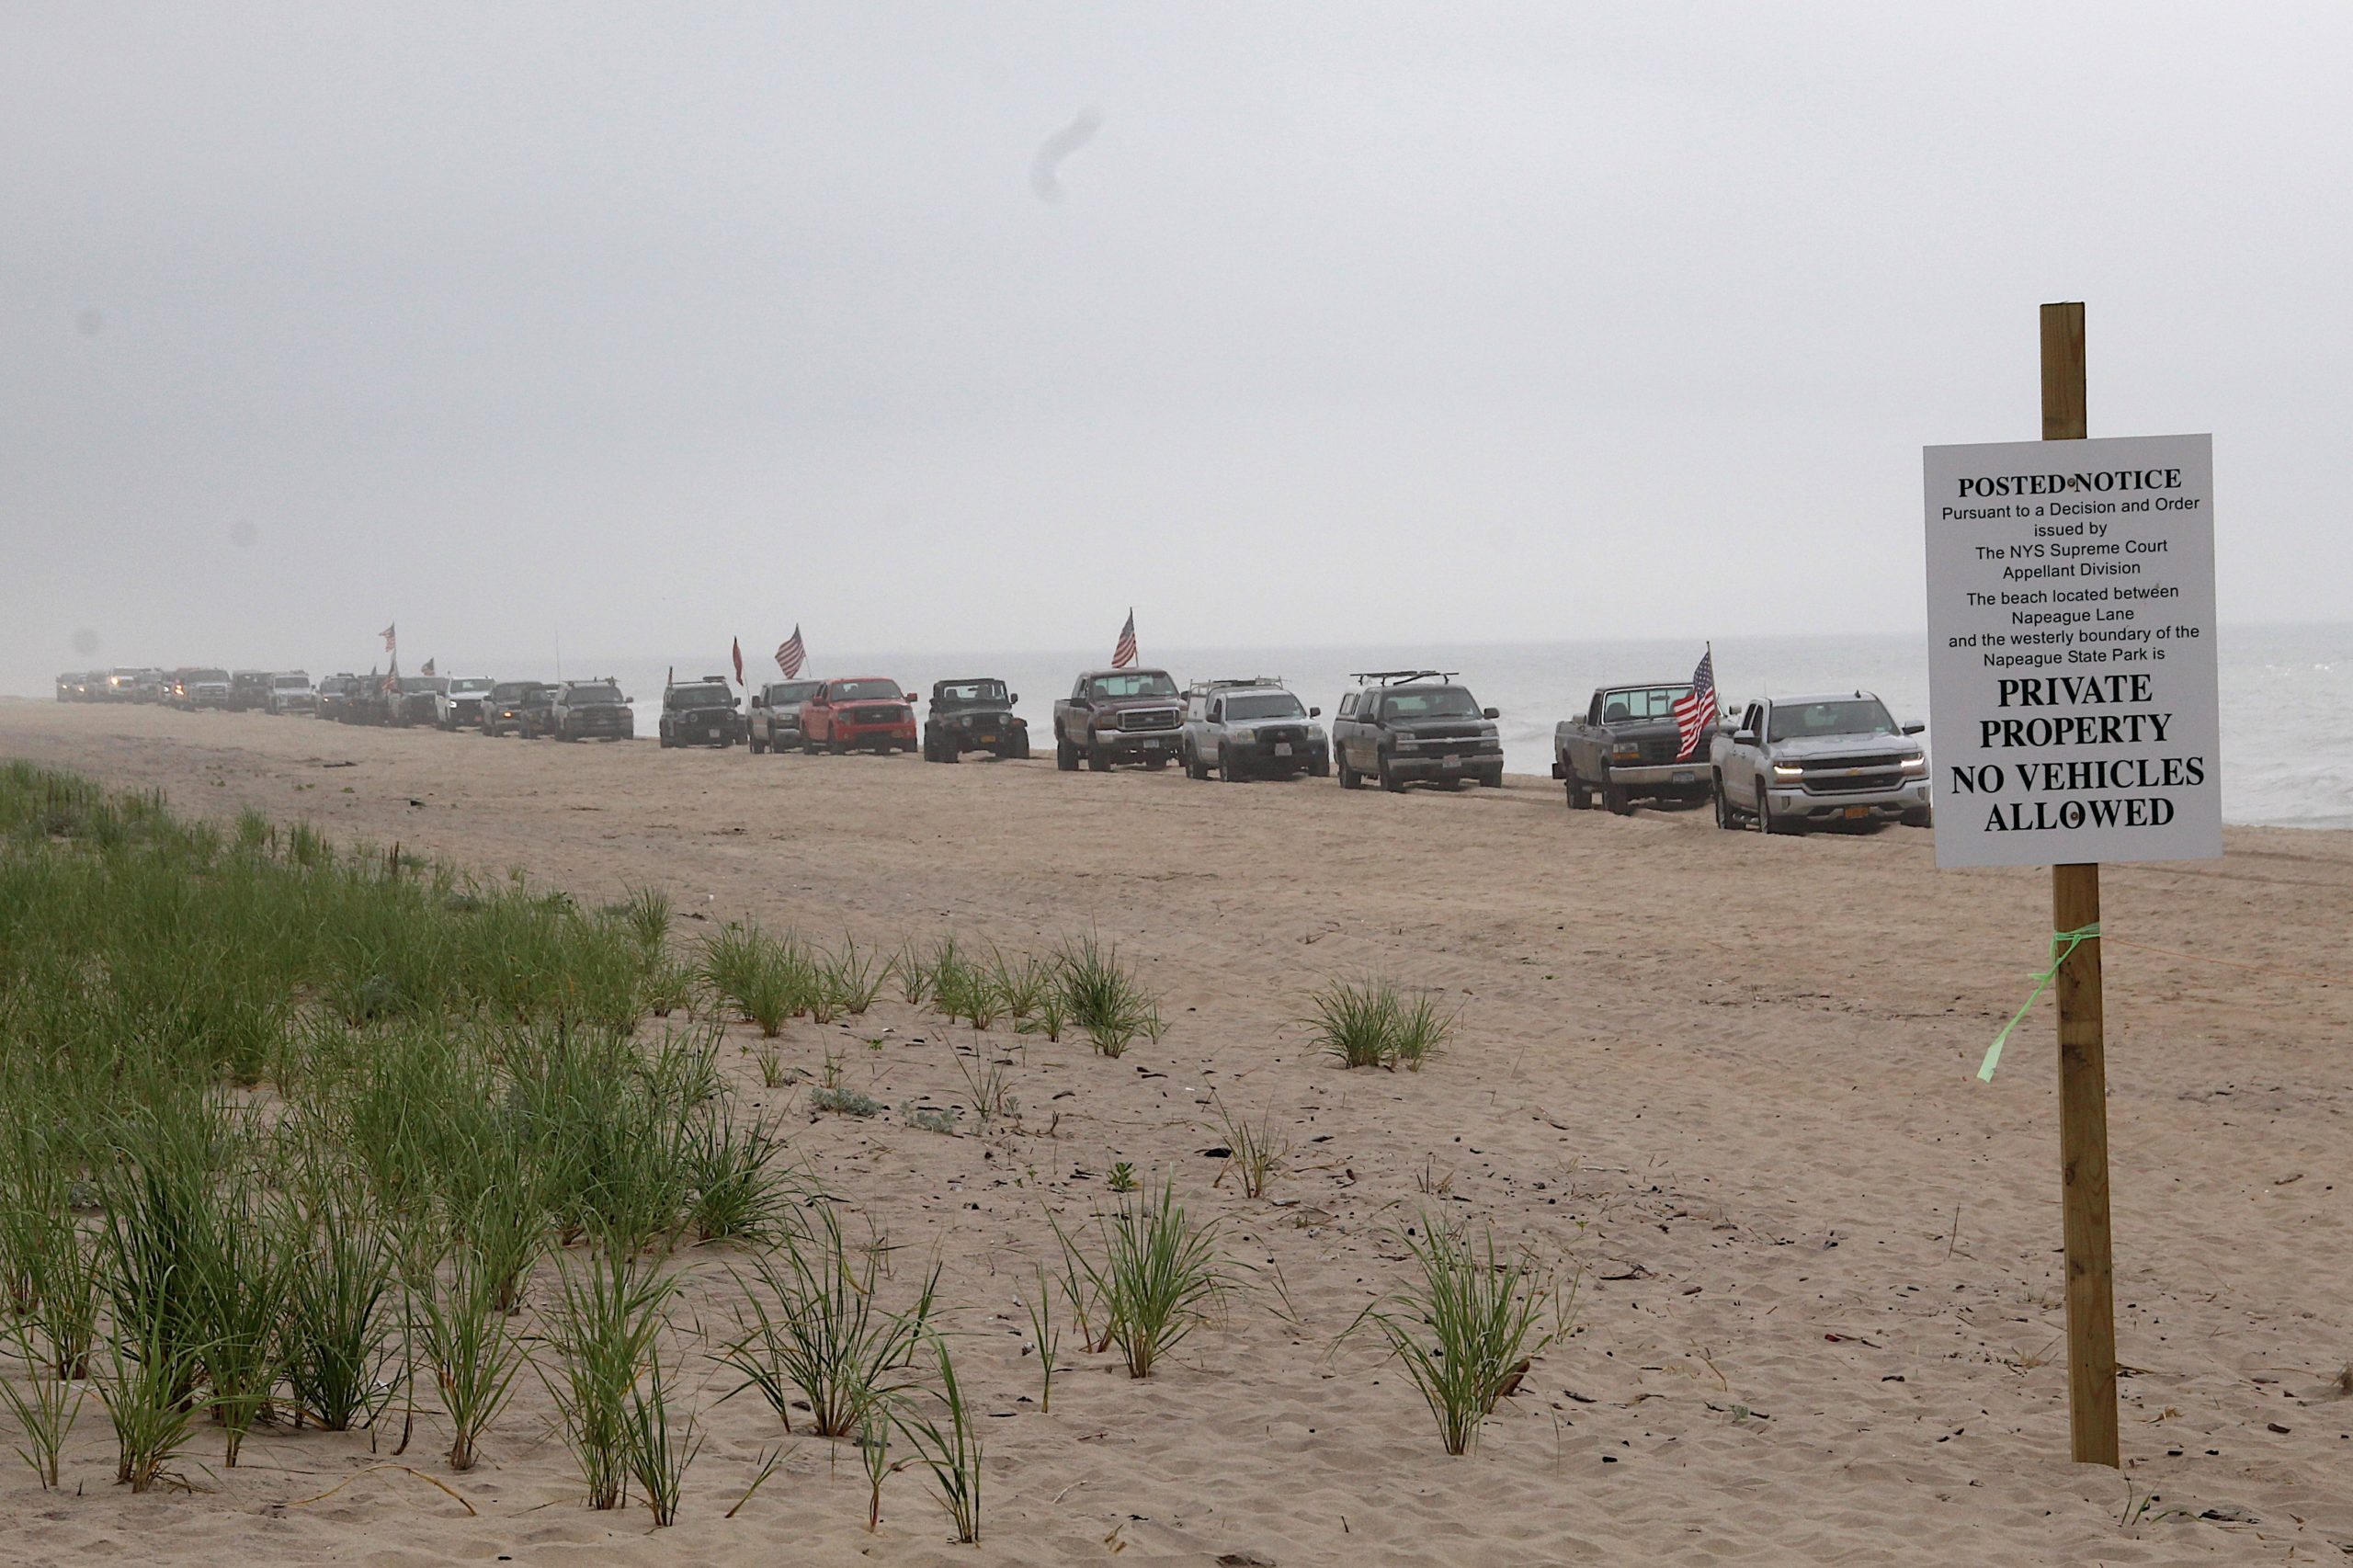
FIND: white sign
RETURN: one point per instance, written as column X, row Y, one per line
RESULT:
column 2072, row 695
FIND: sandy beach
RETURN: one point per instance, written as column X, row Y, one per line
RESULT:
column 1728, row 1080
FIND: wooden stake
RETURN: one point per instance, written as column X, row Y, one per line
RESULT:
column 2083, row 1064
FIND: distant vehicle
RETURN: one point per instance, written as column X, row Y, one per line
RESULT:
column 535, row 715
column 700, row 713
column 459, row 700
column 203, row 689
column 502, row 710
column 335, row 694
column 1405, row 727
column 147, row 687
column 1113, row 716
column 248, row 689
column 866, row 711
column 1794, row 763
column 584, row 710
column 291, row 692
column 774, row 722
column 71, row 686
column 1254, row 728
column 1625, row 749
column 414, row 702
column 973, row 714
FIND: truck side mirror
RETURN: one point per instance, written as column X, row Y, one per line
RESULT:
column 1014, row 698
column 1315, row 712
column 1490, row 713
column 1913, row 729
column 1744, row 738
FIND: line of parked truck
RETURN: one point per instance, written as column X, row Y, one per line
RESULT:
column 1783, row 765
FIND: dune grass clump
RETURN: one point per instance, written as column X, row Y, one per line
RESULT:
column 767, row 979
column 340, row 1302
column 815, row 1326
column 953, row 1455
column 46, row 1407
column 659, row 1448
column 1154, row 1275
column 1369, row 1024
column 470, row 1345
column 1254, row 1152
column 1469, row 1329
column 603, row 1331
column 1099, row 995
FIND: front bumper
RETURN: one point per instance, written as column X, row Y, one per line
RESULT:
column 1831, row 807
column 1267, row 755
column 1436, row 762
column 465, row 712
column 875, row 735
column 706, row 731
column 1136, row 746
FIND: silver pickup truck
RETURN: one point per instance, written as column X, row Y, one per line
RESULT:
column 1794, row 763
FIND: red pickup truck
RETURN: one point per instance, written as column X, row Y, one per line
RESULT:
column 866, row 711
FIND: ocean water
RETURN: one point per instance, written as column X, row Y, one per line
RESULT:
column 2287, row 690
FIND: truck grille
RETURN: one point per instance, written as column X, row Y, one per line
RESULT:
column 1148, row 718
column 874, row 715
column 1857, row 784
column 1281, row 735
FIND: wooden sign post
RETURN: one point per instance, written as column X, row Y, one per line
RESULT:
column 2083, row 1066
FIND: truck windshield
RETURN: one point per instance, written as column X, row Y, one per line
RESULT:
column 1132, row 683
column 1851, row 716
column 208, row 678
column 508, row 691
column 792, row 694
column 467, row 687
column 291, row 683
column 1264, row 705
column 702, row 697
column 970, row 693
column 1636, row 702
column 586, row 694
column 865, row 691
column 1429, row 703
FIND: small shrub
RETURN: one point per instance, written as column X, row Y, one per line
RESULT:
column 844, row 1102
column 470, row 1346
column 1368, row 1024
column 338, row 1325
column 1254, row 1154
column 738, row 1194
column 602, row 1333
column 922, row 1120
column 816, row 1327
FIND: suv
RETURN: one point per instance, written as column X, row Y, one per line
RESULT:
column 335, row 694
column 248, row 689
column 503, row 709
column 291, row 692
column 459, row 701
column 699, row 712
column 1409, row 726
column 864, row 712
column 414, row 701
column 535, row 714
column 1117, row 716
column 1256, row 726
column 1629, row 746
column 774, row 722
column 583, row 708
column 203, row 689
column 973, row 715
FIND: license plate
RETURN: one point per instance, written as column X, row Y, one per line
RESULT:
column 1452, row 764
column 1282, row 748
column 1685, row 775
column 984, row 740
column 1853, row 813
column 1153, row 746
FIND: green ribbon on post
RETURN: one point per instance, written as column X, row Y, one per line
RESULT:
column 2062, row 944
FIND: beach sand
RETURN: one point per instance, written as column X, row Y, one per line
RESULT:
column 1730, row 1079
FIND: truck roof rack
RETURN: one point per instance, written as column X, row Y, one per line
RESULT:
column 1202, row 688
column 1401, row 677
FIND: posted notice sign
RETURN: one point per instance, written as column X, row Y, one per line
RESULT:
column 2072, row 697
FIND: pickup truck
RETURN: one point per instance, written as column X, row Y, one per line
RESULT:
column 1627, row 748
column 459, row 702
column 1119, row 716
column 1792, row 763
column 1252, row 728
column 865, row 711
column 415, row 701
column 289, row 692
column 1401, row 727
column 774, row 722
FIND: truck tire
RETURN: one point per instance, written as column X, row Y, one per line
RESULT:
column 1613, row 799
column 1726, row 818
column 1389, row 780
column 948, row 750
column 1349, row 778
column 1227, row 770
column 1492, row 781
column 1097, row 760
column 1580, row 797
column 835, row 744
column 1065, row 754
column 1767, row 823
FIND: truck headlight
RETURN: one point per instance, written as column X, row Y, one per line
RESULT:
column 1632, row 754
column 1916, row 765
column 1787, row 773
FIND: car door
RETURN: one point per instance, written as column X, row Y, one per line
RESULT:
column 1344, row 728
column 1754, row 721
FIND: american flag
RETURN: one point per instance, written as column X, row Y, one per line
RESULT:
column 1123, row 652
column 790, row 654
column 390, row 641
column 1695, row 712
column 737, row 650
column 427, row 669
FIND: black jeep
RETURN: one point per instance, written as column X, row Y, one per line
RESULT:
column 700, row 713
column 973, row 715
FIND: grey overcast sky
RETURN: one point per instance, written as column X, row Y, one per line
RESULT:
column 1366, row 323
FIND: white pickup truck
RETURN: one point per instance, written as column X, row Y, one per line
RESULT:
column 1794, row 763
